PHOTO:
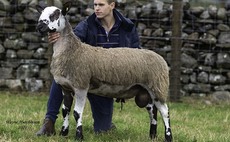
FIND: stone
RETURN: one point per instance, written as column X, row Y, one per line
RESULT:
column 198, row 95
column 190, row 51
column 220, row 96
column 222, row 87
column 193, row 36
column 147, row 32
column 5, row 5
column 39, row 62
column 223, row 60
column 21, row 27
column 205, row 28
column 39, row 53
column 146, row 10
column 10, row 63
column 11, row 54
column 204, row 68
column 18, row 18
column 212, row 9
column 203, row 77
column 224, row 45
column 193, row 77
column 33, row 46
column 224, row 37
column 31, row 37
column 210, row 59
column 214, row 32
column 186, row 70
column 74, row 10
column 228, row 75
column 2, row 49
column 197, row 10
column 205, row 15
column 184, row 78
column 25, row 54
column 2, row 52
column 33, row 84
column 44, row 73
column 141, row 27
column 31, row 14
column 88, row 11
column 27, row 71
column 12, row 84
column 163, row 14
column 188, row 61
column 227, row 5
column 58, row 3
column 197, row 88
column 217, row 79
column 132, row 14
column 3, row 13
column 8, row 43
column 83, row 2
column 158, row 32
column 208, row 39
column 223, row 27
column 22, row 44
column 221, row 13
column 6, row 73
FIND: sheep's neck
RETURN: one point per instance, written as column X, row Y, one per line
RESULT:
column 64, row 41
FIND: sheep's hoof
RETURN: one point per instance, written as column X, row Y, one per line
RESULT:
column 168, row 136
column 79, row 135
column 142, row 99
column 153, row 131
column 64, row 132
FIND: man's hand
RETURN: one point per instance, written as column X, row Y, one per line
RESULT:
column 53, row 37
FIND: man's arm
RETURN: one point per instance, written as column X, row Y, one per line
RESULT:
column 135, row 38
column 81, row 30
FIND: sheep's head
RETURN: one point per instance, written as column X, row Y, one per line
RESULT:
column 52, row 19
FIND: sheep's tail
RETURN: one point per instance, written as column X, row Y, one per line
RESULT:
column 161, row 80
column 161, row 87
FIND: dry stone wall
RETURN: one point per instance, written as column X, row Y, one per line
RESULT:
column 205, row 58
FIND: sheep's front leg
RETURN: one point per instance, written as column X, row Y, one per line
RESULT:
column 78, row 111
column 152, row 110
column 68, row 100
column 163, row 109
column 66, row 107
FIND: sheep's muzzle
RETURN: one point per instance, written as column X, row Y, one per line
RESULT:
column 43, row 28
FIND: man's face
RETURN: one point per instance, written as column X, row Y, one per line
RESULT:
column 102, row 8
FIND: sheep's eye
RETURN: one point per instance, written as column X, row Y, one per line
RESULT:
column 55, row 15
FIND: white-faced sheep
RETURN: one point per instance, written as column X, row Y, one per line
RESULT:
column 115, row 72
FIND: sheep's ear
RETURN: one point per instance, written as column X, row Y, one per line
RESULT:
column 66, row 7
column 39, row 8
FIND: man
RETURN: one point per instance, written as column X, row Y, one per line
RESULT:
column 106, row 28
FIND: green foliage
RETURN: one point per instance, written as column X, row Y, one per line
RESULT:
column 192, row 121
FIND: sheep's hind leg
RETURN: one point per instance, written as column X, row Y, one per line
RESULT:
column 78, row 111
column 152, row 110
column 164, row 111
column 66, row 107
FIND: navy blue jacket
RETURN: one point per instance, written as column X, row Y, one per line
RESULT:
column 87, row 31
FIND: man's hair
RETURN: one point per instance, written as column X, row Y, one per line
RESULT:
column 110, row 1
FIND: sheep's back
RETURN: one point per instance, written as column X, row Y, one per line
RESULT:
column 125, row 66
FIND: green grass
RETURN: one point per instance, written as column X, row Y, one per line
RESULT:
column 192, row 121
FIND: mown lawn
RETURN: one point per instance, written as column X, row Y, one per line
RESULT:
column 21, row 115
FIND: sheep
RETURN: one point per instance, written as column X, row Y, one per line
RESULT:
column 121, row 73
